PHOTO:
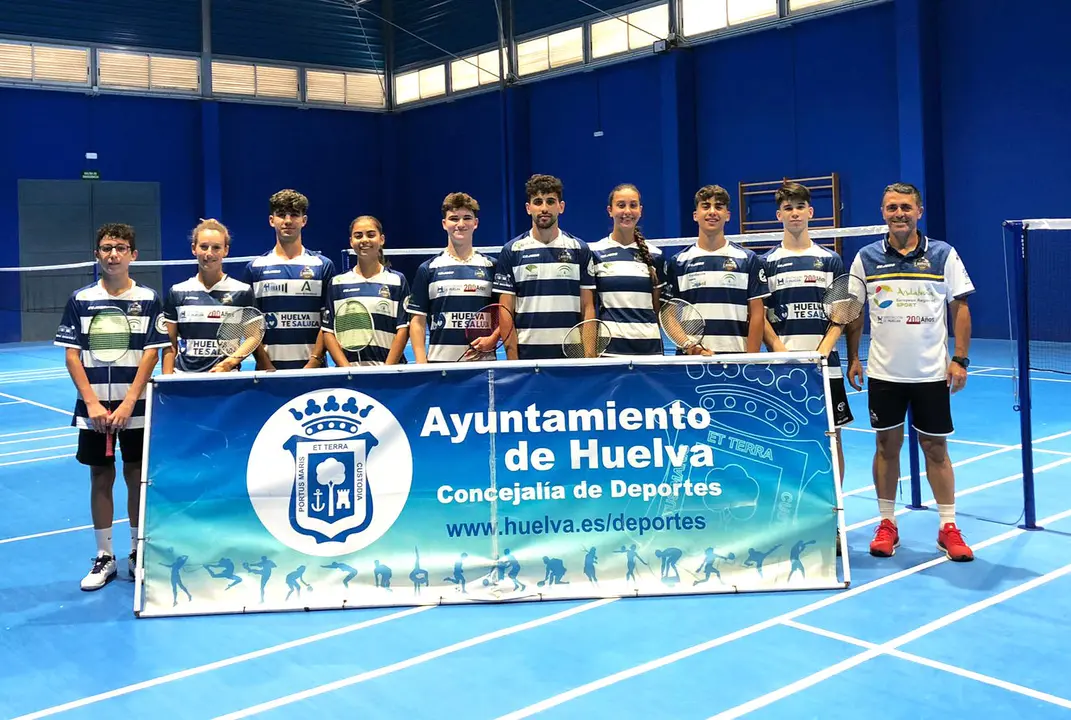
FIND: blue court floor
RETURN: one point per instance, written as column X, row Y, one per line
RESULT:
column 915, row 636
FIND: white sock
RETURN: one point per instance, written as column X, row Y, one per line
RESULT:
column 947, row 513
column 104, row 541
column 887, row 508
column 133, row 537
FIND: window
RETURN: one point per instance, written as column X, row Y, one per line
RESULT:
column 255, row 80
column 633, row 31
column 704, row 16
column 344, row 88
column 420, row 84
column 147, row 72
column 794, row 5
column 476, row 70
column 44, row 63
column 566, row 47
column 533, row 56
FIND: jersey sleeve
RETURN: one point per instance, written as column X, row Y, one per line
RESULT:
column 957, row 280
column 171, row 307
column 669, row 271
column 660, row 270
column 836, row 265
column 505, row 283
column 587, row 267
column 418, row 298
column 325, row 284
column 857, row 267
column 327, row 315
column 69, row 334
column 156, row 336
column 757, row 285
column 402, row 316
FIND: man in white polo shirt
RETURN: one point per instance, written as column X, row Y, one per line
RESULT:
column 913, row 284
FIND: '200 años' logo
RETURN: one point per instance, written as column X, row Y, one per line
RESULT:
column 330, row 472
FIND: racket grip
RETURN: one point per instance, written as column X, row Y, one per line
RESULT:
column 109, row 444
column 830, row 340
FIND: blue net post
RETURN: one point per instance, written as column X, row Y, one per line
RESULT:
column 913, row 463
column 1022, row 341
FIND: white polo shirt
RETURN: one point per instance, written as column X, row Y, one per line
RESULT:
column 908, row 297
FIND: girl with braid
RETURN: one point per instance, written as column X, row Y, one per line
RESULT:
column 629, row 276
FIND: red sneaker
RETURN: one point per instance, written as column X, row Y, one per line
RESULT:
column 950, row 541
column 886, row 540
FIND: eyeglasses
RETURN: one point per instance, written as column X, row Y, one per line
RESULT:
column 107, row 249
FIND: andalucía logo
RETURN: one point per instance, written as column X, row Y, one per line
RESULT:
column 330, row 472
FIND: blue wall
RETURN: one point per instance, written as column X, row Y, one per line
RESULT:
column 1006, row 100
column 913, row 90
column 334, row 157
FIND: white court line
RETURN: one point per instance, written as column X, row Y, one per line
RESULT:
column 419, row 659
column 637, row 670
column 12, row 402
column 1052, row 452
column 948, row 439
column 976, row 458
column 935, row 664
column 36, row 404
column 181, row 674
column 34, row 432
column 35, row 439
column 1032, row 378
column 978, row 371
column 983, row 456
column 4, row 541
column 27, row 452
column 963, row 492
column 33, row 460
column 39, row 378
column 7, row 374
column 856, row 660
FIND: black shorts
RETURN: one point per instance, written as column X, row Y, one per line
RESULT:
column 92, row 446
column 930, row 404
column 838, row 396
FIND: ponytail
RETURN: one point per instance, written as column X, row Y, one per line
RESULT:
column 645, row 257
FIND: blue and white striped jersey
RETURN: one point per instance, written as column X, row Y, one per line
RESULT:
column 292, row 295
column 450, row 292
column 546, row 279
column 147, row 332
column 719, row 283
column 623, row 297
column 384, row 295
column 798, row 281
column 198, row 311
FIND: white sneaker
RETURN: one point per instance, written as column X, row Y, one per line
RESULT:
column 103, row 572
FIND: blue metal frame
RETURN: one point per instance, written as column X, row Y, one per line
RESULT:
column 1022, row 341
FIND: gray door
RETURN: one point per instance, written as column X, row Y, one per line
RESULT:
column 58, row 220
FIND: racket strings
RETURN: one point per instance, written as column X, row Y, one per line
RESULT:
column 845, row 299
column 682, row 322
column 109, row 336
column 241, row 327
column 354, row 327
column 589, row 338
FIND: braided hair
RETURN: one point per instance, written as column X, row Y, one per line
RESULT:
column 642, row 250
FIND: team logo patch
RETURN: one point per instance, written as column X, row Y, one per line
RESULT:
column 565, row 256
column 307, row 273
column 330, row 472
column 227, row 299
column 134, row 309
column 922, row 263
column 480, row 273
column 730, row 265
column 384, row 292
column 818, row 264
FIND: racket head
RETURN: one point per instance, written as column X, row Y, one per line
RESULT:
column 844, row 299
column 682, row 323
column 109, row 335
column 485, row 323
column 586, row 339
column 240, row 332
column 354, row 327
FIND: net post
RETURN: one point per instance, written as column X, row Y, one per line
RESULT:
column 1022, row 316
column 913, row 462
